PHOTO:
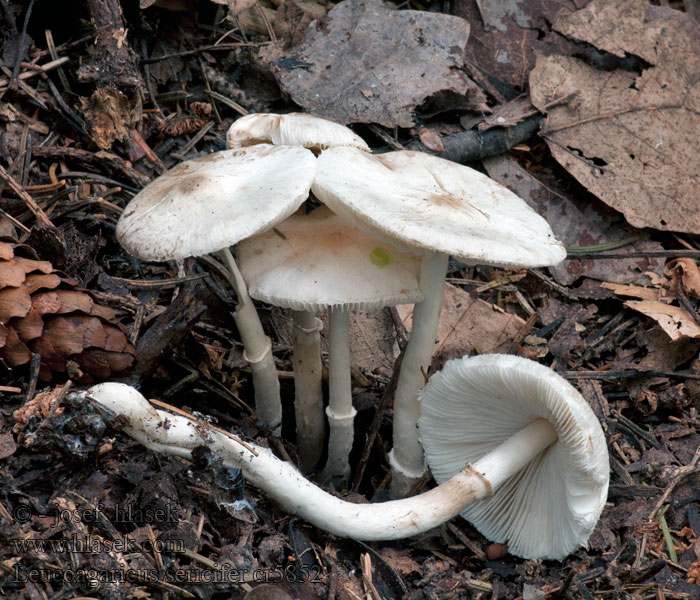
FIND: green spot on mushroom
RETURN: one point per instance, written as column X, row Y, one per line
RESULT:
column 380, row 257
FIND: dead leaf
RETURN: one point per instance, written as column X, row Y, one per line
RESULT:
column 509, row 114
column 577, row 222
column 635, row 291
column 468, row 325
column 370, row 64
column 508, row 35
column 430, row 139
column 690, row 275
column 629, row 138
column 675, row 321
column 664, row 354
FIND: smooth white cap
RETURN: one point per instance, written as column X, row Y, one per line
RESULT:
column 431, row 204
column 209, row 203
column 472, row 405
column 318, row 261
column 293, row 129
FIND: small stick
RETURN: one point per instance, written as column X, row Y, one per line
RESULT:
column 40, row 215
column 638, row 254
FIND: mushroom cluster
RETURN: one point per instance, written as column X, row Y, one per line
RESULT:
column 383, row 237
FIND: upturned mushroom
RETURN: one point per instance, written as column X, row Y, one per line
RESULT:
column 207, row 204
column 473, row 404
column 544, row 456
column 437, row 208
column 316, row 262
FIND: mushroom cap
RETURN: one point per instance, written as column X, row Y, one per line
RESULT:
column 209, row 203
column 548, row 509
column 293, row 129
column 425, row 202
column 318, row 261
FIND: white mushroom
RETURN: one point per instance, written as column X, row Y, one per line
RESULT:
column 437, row 208
column 532, row 454
column 210, row 203
column 315, row 262
column 473, row 404
column 293, row 129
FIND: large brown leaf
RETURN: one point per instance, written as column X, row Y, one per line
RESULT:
column 370, row 64
column 631, row 139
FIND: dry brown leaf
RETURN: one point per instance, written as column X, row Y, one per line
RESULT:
column 369, row 64
column 630, row 138
column 468, row 325
column 634, row 291
column 508, row 35
column 578, row 222
column 690, row 275
column 664, row 354
column 675, row 321
column 509, row 114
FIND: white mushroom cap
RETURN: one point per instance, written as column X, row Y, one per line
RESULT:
column 294, row 129
column 550, row 508
column 429, row 203
column 212, row 202
column 318, row 261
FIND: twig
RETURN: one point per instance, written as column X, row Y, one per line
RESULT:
column 471, row 145
column 40, row 215
column 42, row 69
column 20, row 44
column 689, row 469
column 638, row 254
column 616, row 113
column 159, row 283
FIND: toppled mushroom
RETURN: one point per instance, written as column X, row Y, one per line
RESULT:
column 551, row 507
column 437, row 208
column 315, row 262
column 294, row 129
column 206, row 205
column 546, row 449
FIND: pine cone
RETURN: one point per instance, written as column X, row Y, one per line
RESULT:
column 45, row 313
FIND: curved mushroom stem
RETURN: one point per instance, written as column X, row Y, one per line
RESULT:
column 257, row 350
column 340, row 411
column 311, row 423
column 392, row 520
column 406, row 457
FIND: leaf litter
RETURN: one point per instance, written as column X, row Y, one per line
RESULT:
column 642, row 384
column 629, row 137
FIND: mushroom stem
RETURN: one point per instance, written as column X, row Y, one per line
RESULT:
column 257, row 350
column 406, row 457
column 340, row 411
column 392, row 520
column 311, row 423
